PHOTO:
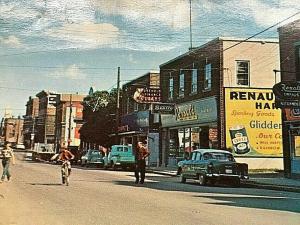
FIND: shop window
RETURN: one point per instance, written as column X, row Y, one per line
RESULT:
column 194, row 86
column 207, row 80
column 181, row 85
column 242, row 72
column 297, row 146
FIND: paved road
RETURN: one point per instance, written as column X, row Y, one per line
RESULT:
column 35, row 196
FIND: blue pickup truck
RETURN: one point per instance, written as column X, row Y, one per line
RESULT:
column 120, row 156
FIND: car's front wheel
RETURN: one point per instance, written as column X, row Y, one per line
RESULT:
column 182, row 179
column 202, row 179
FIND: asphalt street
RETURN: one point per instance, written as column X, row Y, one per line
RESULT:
column 36, row 196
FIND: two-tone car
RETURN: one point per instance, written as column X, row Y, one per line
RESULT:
column 212, row 165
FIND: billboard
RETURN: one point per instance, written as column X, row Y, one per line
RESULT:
column 253, row 123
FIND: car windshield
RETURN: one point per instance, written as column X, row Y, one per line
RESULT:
column 96, row 154
column 218, row 156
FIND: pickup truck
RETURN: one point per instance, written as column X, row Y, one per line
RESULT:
column 120, row 156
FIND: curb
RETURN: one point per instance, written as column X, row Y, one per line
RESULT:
column 245, row 183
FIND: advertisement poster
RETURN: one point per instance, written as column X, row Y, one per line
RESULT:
column 253, row 123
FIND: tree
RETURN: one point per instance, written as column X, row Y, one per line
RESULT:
column 99, row 116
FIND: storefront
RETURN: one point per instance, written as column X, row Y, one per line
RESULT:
column 292, row 121
column 193, row 126
column 134, row 128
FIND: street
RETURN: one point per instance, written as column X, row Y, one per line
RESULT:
column 96, row 196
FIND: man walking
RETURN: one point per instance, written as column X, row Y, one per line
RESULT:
column 140, row 168
column 7, row 157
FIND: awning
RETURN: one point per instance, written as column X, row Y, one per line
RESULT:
column 127, row 133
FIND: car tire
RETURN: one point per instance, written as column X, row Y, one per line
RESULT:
column 202, row 179
column 113, row 166
column 179, row 171
column 182, row 179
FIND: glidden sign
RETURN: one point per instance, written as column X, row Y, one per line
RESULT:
column 287, row 94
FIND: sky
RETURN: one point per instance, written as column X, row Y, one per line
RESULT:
column 68, row 46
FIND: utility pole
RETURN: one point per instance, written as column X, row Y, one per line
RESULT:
column 118, row 105
column 191, row 40
column 70, row 120
column 32, row 133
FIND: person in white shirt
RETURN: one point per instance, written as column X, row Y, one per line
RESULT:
column 7, row 156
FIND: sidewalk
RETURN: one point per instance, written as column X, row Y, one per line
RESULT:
column 269, row 180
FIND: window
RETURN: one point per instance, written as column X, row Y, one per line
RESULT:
column 242, row 72
column 171, row 88
column 194, row 81
column 181, row 85
column 207, row 81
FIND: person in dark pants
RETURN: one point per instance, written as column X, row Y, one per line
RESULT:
column 140, row 168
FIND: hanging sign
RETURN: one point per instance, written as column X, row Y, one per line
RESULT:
column 147, row 95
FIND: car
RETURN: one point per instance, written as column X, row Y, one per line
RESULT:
column 212, row 165
column 92, row 157
column 120, row 156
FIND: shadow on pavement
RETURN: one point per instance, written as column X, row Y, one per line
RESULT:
column 46, row 184
column 225, row 195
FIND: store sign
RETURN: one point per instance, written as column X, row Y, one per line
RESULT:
column 287, row 90
column 147, row 95
column 253, row 123
column 287, row 94
column 192, row 112
column 292, row 114
column 185, row 113
column 163, row 108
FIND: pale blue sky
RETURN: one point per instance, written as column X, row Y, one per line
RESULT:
column 68, row 46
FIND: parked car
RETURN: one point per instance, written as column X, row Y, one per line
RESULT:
column 92, row 157
column 211, row 165
column 120, row 156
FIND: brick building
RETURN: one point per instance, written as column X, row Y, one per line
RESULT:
column 30, row 120
column 289, row 41
column 223, row 85
column 13, row 130
column 46, row 117
column 68, row 119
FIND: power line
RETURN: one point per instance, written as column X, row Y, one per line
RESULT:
column 276, row 24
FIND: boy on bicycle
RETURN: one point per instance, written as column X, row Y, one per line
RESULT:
column 65, row 156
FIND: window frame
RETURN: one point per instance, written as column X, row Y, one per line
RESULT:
column 207, row 79
column 181, row 86
column 171, row 91
column 194, row 79
column 248, row 74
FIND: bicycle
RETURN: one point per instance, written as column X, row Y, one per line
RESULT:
column 66, row 165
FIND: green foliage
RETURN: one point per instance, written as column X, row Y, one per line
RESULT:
column 99, row 116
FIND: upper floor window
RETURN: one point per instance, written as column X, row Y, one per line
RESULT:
column 194, row 81
column 181, row 85
column 207, row 80
column 242, row 72
column 171, row 88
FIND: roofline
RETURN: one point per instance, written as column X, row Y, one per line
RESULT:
column 140, row 77
column 218, row 39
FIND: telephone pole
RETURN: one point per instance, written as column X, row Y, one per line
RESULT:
column 118, row 104
column 191, row 40
column 70, row 121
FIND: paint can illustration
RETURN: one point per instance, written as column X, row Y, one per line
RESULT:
column 239, row 139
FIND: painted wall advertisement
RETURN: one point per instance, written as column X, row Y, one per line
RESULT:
column 253, row 123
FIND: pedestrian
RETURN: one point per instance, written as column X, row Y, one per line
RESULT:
column 140, row 167
column 7, row 156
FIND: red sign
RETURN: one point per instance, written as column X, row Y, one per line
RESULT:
column 147, row 95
